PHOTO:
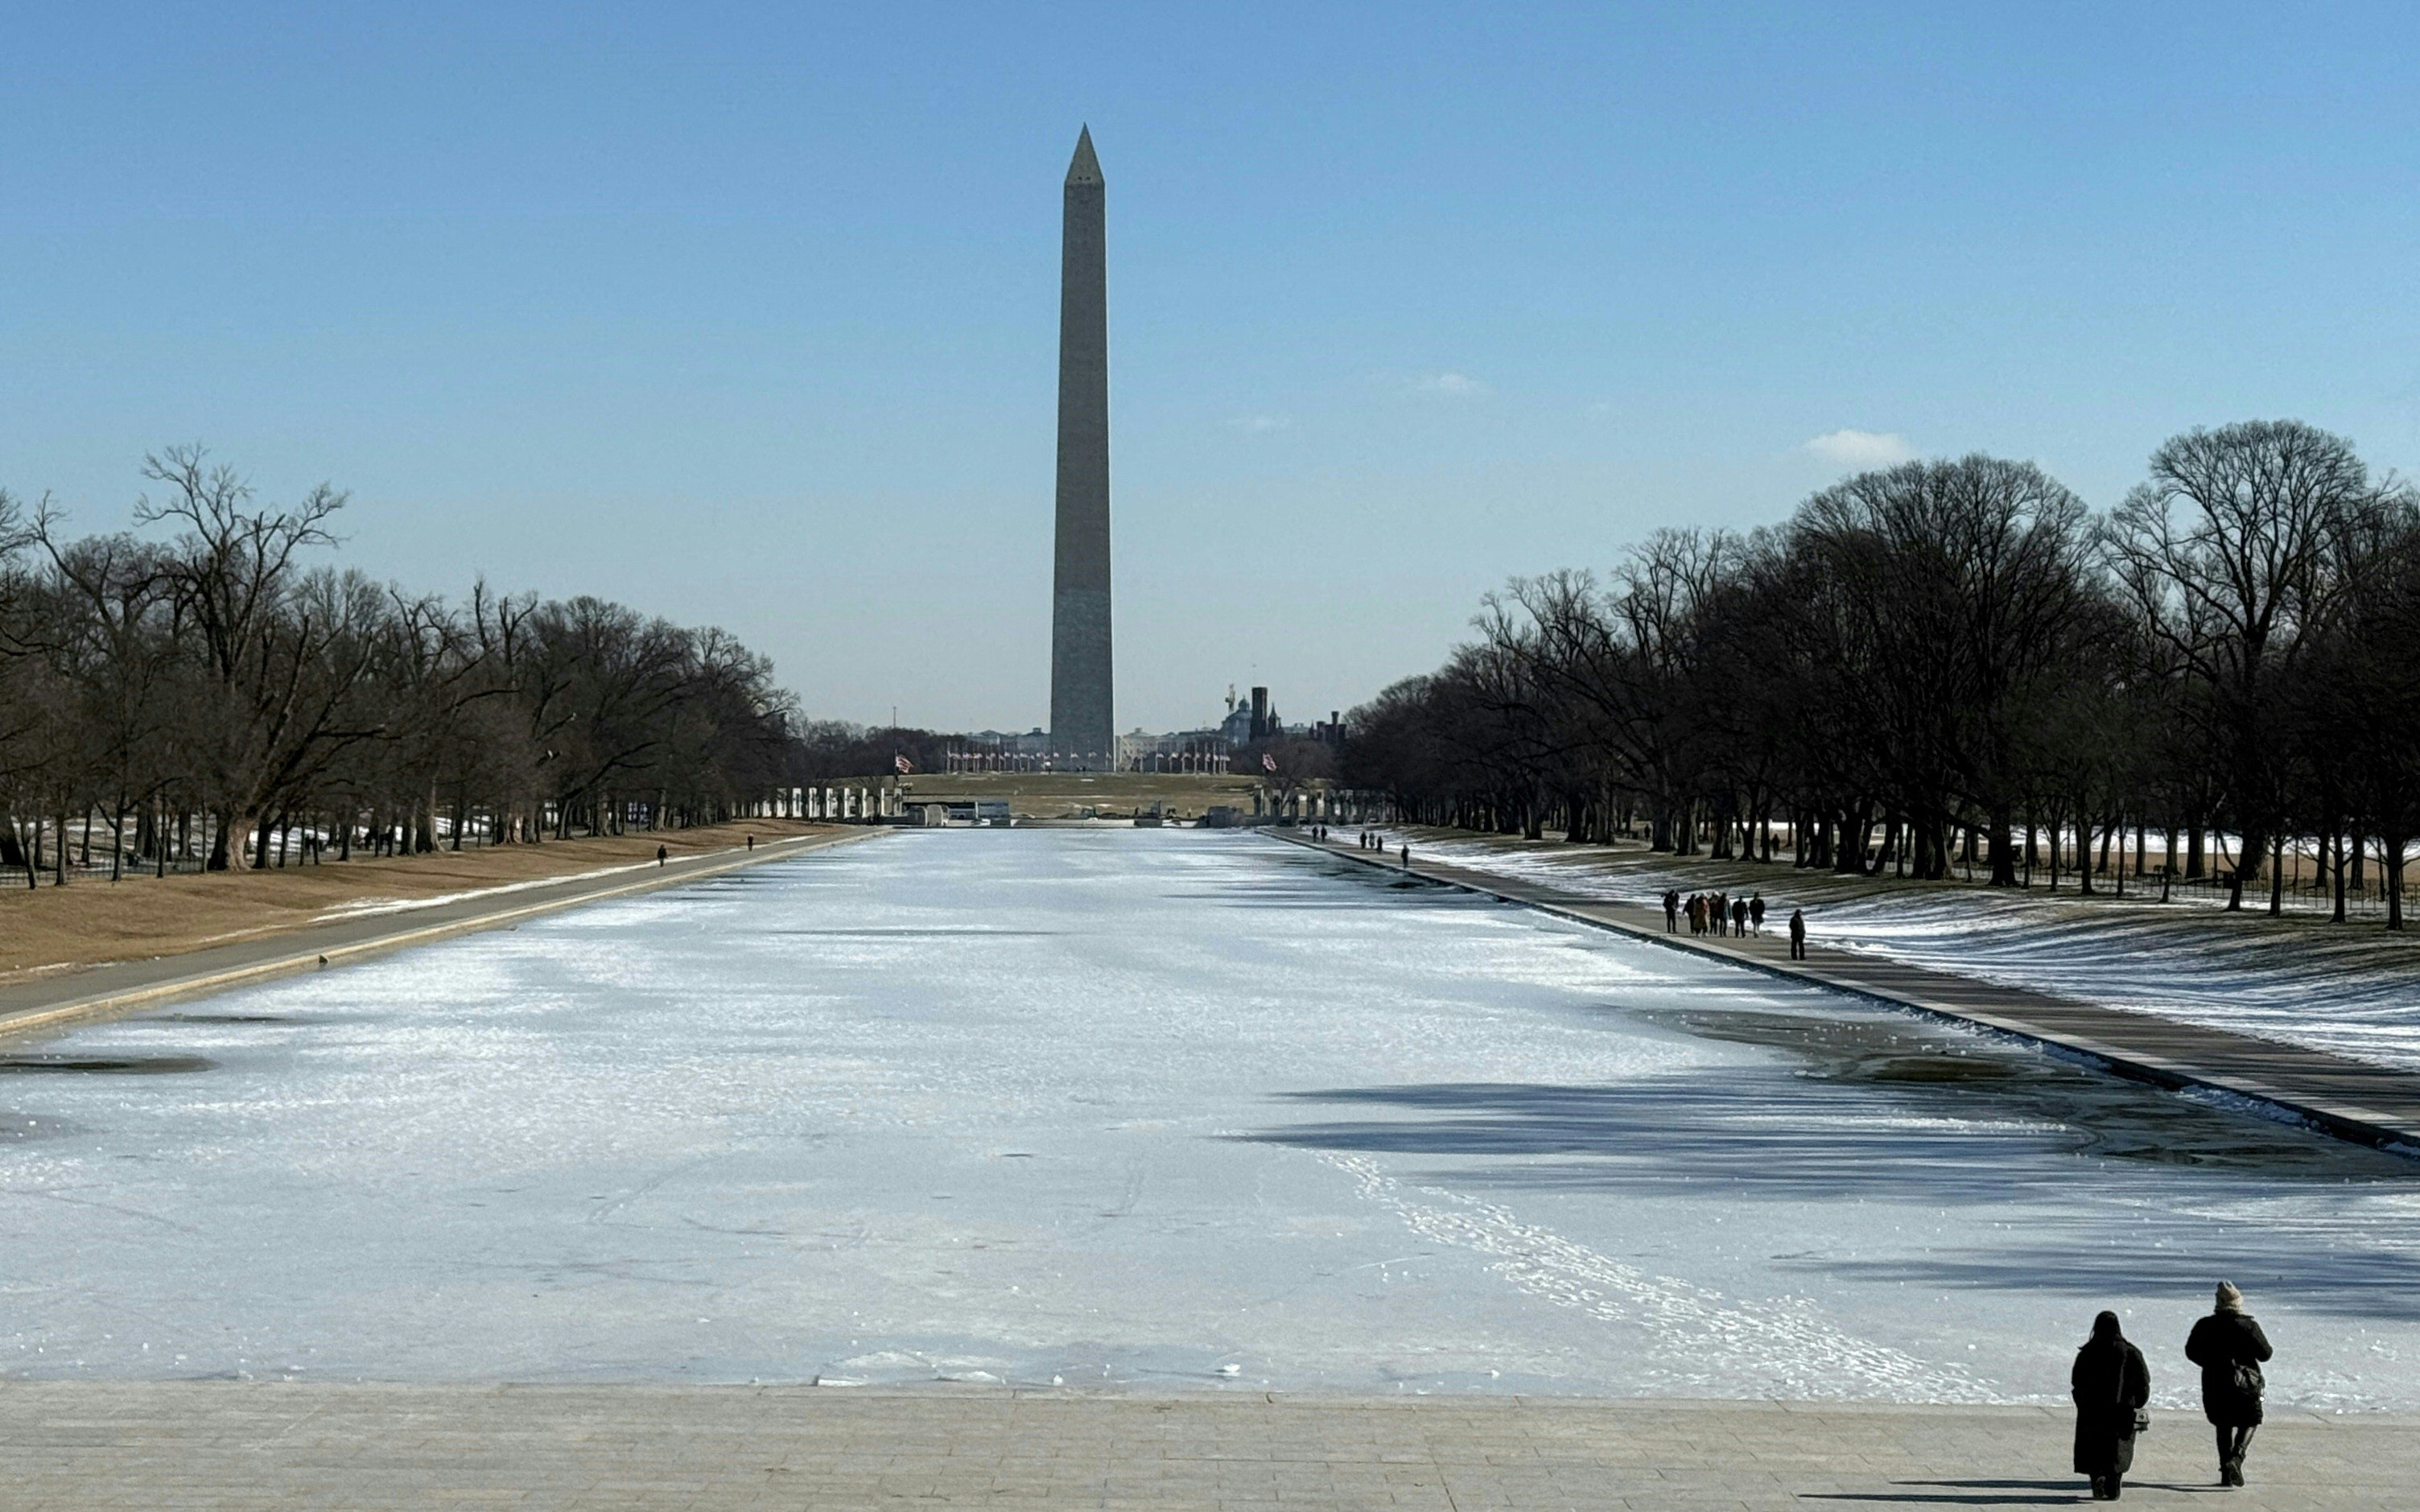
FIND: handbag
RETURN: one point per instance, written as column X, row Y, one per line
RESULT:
column 2247, row 1380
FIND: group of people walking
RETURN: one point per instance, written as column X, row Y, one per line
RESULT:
column 1371, row 842
column 1715, row 913
column 2111, row 1385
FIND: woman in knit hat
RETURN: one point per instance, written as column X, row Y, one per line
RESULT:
column 2110, row 1383
column 2230, row 1348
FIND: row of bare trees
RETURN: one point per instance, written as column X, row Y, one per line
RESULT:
column 1962, row 656
column 208, row 689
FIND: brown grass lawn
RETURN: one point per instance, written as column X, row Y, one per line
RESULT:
column 89, row 923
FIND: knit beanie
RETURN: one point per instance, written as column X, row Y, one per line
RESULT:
column 2229, row 1299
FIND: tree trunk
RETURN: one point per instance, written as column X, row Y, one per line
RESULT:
column 1857, row 830
column 223, row 855
column 2003, row 849
column 2390, row 876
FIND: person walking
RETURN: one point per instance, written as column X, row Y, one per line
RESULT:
column 1756, row 912
column 660, row 854
column 1739, row 916
column 1408, row 856
column 1798, row 935
column 1720, row 906
column 1697, row 913
column 1671, row 911
column 2111, row 1384
column 2230, row 1349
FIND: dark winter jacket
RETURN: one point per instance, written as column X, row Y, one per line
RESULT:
column 2220, row 1343
column 2110, row 1380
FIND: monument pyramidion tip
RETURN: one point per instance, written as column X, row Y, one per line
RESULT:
column 1084, row 168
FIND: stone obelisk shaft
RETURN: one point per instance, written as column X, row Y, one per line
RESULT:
column 1083, row 730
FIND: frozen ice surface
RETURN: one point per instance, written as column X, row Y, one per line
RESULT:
column 1156, row 1108
column 2353, row 990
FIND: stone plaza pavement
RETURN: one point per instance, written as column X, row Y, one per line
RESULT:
column 93, row 1445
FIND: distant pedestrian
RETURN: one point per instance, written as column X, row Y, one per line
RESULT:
column 1756, row 912
column 752, row 842
column 1738, row 916
column 1408, row 856
column 1671, row 911
column 2111, row 1384
column 1798, row 935
column 2230, row 1349
column 1721, row 908
column 1697, row 913
column 660, row 854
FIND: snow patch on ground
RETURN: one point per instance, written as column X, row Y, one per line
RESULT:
column 2350, row 989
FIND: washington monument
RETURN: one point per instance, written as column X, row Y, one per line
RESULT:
column 1083, row 731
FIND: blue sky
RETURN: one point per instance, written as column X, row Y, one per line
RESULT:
column 747, row 315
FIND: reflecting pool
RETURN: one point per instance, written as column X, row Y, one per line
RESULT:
column 1153, row 1108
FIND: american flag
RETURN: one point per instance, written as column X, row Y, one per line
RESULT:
column 904, row 765
column 1269, row 763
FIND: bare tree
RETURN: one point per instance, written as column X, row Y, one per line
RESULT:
column 2226, row 555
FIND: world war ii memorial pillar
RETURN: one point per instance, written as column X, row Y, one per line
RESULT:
column 1083, row 731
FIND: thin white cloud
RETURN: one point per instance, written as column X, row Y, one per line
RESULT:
column 1451, row 385
column 1257, row 424
column 1860, row 448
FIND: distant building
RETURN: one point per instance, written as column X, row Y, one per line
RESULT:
column 1203, row 749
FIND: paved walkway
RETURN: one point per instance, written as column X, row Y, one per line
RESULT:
column 2373, row 1104
column 48, row 1002
column 103, row 1447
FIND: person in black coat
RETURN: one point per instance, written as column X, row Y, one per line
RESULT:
column 2230, row 1348
column 2110, row 1383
